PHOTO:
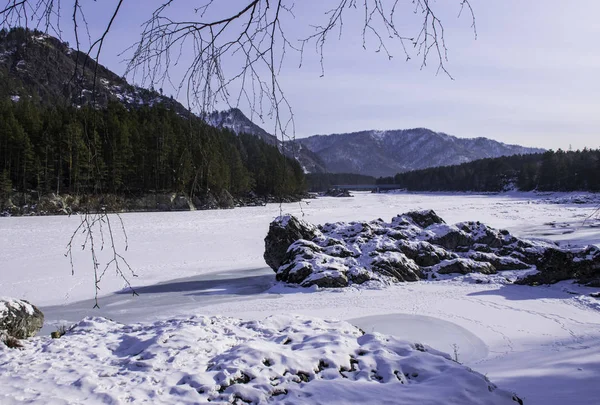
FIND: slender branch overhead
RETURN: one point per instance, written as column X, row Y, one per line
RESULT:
column 236, row 56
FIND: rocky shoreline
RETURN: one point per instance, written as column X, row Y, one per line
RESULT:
column 20, row 204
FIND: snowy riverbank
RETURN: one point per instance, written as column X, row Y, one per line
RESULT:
column 540, row 342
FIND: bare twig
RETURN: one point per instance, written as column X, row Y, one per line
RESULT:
column 91, row 225
column 236, row 58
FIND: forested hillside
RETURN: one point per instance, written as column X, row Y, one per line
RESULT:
column 69, row 126
column 116, row 150
column 550, row 171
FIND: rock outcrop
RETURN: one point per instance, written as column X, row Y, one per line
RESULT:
column 19, row 319
column 581, row 264
column 282, row 233
column 413, row 246
column 337, row 192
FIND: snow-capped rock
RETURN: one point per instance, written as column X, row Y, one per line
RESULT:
column 413, row 246
column 19, row 319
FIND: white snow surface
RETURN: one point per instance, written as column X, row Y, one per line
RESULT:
column 202, row 359
column 542, row 343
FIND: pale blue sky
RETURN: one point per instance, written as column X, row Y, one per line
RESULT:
column 531, row 77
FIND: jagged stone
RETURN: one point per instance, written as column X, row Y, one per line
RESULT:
column 555, row 265
column 19, row 318
column 452, row 240
column 284, row 231
column 424, row 218
column 465, row 266
column 413, row 246
column 397, row 266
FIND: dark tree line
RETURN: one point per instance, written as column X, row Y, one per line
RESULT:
column 550, row 171
column 121, row 151
column 324, row 181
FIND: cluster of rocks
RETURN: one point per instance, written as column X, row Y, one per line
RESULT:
column 413, row 246
column 337, row 192
column 54, row 204
column 18, row 320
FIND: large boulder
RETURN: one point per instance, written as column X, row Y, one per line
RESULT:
column 225, row 199
column 465, row 266
column 424, row 218
column 582, row 265
column 337, row 192
column 19, row 318
column 416, row 245
column 284, row 231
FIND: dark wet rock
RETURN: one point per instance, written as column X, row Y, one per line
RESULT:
column 452, row 239
column 19, row 319
column 284, row 231
column 465, row 266
column 332, row 279
column 294, row 273
column 582, row 265
column 398, row 267
column 500, row 263
column 425, row 218
column 337, row 192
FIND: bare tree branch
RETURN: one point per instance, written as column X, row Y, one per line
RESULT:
column 236, row 58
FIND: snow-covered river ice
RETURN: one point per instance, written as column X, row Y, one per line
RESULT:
column 541, row 342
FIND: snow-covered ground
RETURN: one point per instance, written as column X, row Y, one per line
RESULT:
column 541, row 342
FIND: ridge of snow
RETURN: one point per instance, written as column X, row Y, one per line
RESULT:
column 195, row 359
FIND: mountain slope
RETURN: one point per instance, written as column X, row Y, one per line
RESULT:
column 36, row 65
column 234, row 120
column 40, row 67
column 385, row 153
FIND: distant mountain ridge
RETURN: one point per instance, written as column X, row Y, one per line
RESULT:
column 375, row 153
column 385, row 153
column 34, row 64
column 235, row 120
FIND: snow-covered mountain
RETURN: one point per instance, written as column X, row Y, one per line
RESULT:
column 236, row 121
column 374, row 153
column 385, row 153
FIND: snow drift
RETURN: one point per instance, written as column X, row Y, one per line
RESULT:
column 200, row 359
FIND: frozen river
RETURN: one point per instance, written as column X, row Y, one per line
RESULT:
column 530, row 340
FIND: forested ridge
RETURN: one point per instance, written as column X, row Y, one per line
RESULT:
column 550, row 171
column 132, row 151
column 71, row 127
column 325, row 181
